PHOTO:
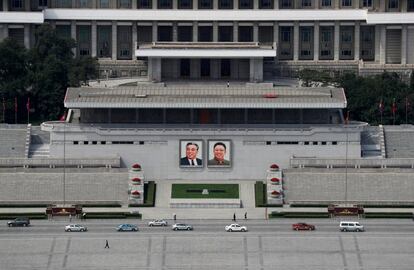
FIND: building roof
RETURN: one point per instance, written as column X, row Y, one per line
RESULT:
column 152, row 96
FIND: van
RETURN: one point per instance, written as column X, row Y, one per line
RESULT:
column 350, row 226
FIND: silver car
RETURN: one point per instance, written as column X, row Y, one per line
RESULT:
column 235, row 228
column 181, row 227
column 157, row 222
column 75, row 228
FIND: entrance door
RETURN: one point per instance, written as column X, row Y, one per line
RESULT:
column 205, row 68
column 185, row 67
column 225, row 68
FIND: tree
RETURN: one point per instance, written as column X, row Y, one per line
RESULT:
column 83, row 70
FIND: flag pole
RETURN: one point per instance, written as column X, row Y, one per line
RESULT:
column 28, row 110
column 15, row 110
column 406, row 110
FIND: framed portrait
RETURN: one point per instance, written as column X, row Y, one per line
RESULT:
column 219, row 153
column 191, row 154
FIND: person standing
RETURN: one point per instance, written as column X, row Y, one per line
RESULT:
column 175, row 217
column 234, row 217
column 245, row 215
column 106, row 244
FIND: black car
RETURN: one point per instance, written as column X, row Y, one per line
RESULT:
column 21, row 221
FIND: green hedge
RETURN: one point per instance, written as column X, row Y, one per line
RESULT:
column 389, row 215
column 149, row 195
column 23, row 205
column 298, row 215
column 109, row 215
column 29, row 215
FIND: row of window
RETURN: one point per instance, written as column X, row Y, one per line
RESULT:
column 267, row 142
column 392, row 5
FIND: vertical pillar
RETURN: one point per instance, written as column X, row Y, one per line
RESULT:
column 383, row 43
column 95, row 4
column 134, row 4
column 255, row 4
column 154, row 31
column 276, row 4
column 194, row 68
column 154, row 4
column 73, row 35
column 195, row 4
column 336, row 4
column 377, row 42
column 403, row 5
column 27, row 35
column 26, row 4
column 3, row 32
column 154, row 69
column 195, row 31
column 215, row 31
column 336, row 41
column 134, row 40
column 174, row 4
column 255, row 31
column 215, row 4
column 114, row 40
column 235, row 4
column 235, row 31
column 382, row 6
column 316, row 4
column 357, row 36
column 404, row 44
column 174, row 31
column 316, row 41
column 94, row 38
column 296, row 41
column 276, row 35
column 215, row 68
column 5, row 5
column 256, row 69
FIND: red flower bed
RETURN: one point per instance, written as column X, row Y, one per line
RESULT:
column 136, row 167
column 135, row 193
column 274, row 167
column 275, row 180
column 136, row 180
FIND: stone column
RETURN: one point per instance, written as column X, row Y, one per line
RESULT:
column 114, row 40
column 382, row 6
column 194, row 68
column 175, row 31
column 256, row 69
column 316, row 4
column 73, row 35
column 94, row 38
column 154, row 69
column 195, row 4
column 255, row 31
column 95, row 4
column 316, row 41
column 383, row 44
column 255, row 4
column 5, row 5
column 235, row 31
column 235, row 4
column 296, row 41
column 3, row 32
column 336, row 41
column 154, row 31
column 276, row 36
column 215, row 68
column 134, row 40
column 357, row 35
column 215, row 31
column 134, row 4
column 26, row 4
column 154, row 4
column 377, row 42
column 27, row 35
column 195, row 31
column 336, row 4
column 175, row 4
column 276, row 4
column 404, row 44
column 215, row 4
column 403, row 5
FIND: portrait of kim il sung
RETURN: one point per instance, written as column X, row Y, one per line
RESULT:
column 219, row 153
column 191, row 153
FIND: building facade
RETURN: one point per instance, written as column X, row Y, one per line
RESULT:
column 250, row 40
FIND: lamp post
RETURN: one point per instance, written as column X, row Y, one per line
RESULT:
column 64, row 162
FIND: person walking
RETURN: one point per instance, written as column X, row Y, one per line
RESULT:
column 245, row 215
column 234, row 217
column 70, row 217
column 175, row 217
column 106, row 244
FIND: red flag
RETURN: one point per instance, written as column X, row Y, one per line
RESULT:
column 15, row 104
column 28, row 104
column 63, row 117
column 394, row 107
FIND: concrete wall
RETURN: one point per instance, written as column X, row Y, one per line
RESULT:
column 373, row 186
column 46, row 186
column 159, row 152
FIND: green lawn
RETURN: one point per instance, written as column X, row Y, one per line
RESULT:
column 215, row 191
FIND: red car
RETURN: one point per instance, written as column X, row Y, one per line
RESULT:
column 303, row 226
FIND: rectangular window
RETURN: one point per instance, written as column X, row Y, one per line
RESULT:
column 124, row 3
column 393, row 4
column 266, row 34
column 245, row 4
column 185, row 4
column 326, row 42
column 184, row 33
column 245, row 33
column 104, row 35
column 144, row 4
column 286, row 42
column 16, row 4
column 124, row 42
column 366, row 3
column 205, row 4
column 164, row 4
column 306, row 3
column 103, row 3
column 367, row 41
column 225, row 33
column 84, row 40
column 346, row 3
column 17, row 35
column 164, row 33
column 285, row 4
column 306, row 43
column 84, row 4
column 326, row 3
column 63, row 4
column 265, row 4
column 410, row 5
column 205, row 33
column 346, row 41
column 225, row 4
column 63, row 31
column 144, row 34
column 42, row 3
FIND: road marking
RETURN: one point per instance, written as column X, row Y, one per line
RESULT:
column 341, row 245
column 149, row 252
column 52, row 249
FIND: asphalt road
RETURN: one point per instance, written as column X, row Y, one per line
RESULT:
column 271, row 244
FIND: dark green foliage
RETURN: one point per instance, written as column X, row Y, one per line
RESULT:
column 364, row 95
column 43, row 73
column 260, row 194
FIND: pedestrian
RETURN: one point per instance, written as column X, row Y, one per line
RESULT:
column 245, row 215
column 228, row 83
column 83, row 215
column 234, row 217
column 175, row 217
column 106, row 244
column 70, row 217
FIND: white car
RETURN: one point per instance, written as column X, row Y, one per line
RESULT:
column 181, row 227
column 351, row 226
column 157, row 222
column 75, row 228
column 235, row 228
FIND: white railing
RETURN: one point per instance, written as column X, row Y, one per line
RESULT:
column 114, row 162
column 330, row 163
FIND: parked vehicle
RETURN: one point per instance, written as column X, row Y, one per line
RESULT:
column 235, row 228
column 75, row 228
column 303, row 226
column 157, row 222
column 127, row 227
column 20, row 221
column 182, row 227
column 351, row 226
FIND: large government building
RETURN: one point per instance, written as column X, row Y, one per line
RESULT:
column 224, row 39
